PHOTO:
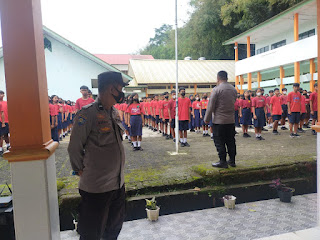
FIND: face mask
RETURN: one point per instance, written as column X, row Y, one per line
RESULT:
column 183, row 94
column 284, row 92
column 197, row 98
column 135, row 99
column 205, row 97
column 166, row 97
column 120, row 97
column 259, row 94
column 174, row 96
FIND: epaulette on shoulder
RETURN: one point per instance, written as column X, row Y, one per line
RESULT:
column 88, row 106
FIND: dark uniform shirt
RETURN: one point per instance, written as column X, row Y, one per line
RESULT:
column 96, row 148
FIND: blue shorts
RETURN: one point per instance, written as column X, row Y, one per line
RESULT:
column 60, row 121
column 276, row 117
column 197, row 118
column 173, row 123
column 203, row 112
column 183, row 125
column 4, row 130
column 236, row 118
column 136, row 125
column 315, row 115
column 246, row 117
column 157, row 119
column 284, row 111
column 303, row 116
column 294, row 117
column 153, row 118
column 261, row 118
column 268, row 115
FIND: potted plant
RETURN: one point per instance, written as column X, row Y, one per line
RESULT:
column 152, row 209
column 229, row 201
column 285, row 193
column 75, row 221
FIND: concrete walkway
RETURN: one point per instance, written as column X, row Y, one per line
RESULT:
column 255, row 220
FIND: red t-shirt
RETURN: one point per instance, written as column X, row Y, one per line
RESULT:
column 268, row 99
column 258, row 102
column 276, row 105
column 184, row 105
column 165, row 106
column 244, row 103
column 284, row 99
column 147, row 107
column 236, row 105
column 134, row 109
column 4, row 109
column 81, row 102
column 314, row 99
column 153, row 106
column 157, row 107
column 172, row 106
column 52, row 110
column 303, row 104
column 295, row 101
column 142, row 107
column 196, row 105
column 204, row 103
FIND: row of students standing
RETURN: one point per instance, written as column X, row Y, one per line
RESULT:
column 275, row 109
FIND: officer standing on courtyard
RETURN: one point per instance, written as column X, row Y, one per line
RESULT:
column 221, row 110
column 97, row 156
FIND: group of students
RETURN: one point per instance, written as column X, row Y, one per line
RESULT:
column 299, row 106
column 62, row 113
column 158, row 114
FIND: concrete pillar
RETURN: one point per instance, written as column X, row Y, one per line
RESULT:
column 195, row 89
column 249, row 55
column 31, row 157
column 296, row 38
column 281, row 78
column 259, row 78
column 241, row 84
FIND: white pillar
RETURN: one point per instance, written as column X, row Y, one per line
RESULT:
column 35, row 199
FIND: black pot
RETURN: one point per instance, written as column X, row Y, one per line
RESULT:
column 285, row 194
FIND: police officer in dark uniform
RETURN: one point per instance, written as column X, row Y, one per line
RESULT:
column 97, row 156
column 221, row 110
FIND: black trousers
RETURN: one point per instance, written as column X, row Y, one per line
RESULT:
column 223, row 136
column 101, row 215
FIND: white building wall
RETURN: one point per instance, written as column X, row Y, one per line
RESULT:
column 67, row 70
column 287, row 35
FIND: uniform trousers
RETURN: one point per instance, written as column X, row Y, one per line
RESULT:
column 223, row 136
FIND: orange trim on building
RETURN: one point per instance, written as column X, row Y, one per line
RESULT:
column 241, row 84
column 237, row 83
column 312, row 71
column 297, row 72
column 296, row 27
column 195, row 89
column 258, row 78
column 281, row 78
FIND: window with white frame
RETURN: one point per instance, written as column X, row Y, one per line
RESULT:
column 263, row 49
column 278, row 44
column 307, row 34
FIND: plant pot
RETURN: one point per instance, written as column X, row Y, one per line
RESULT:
column 285, row 196
column 75, row 223
column 153, row 215
column 230, row 203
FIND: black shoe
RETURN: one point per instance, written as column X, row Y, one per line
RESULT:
column 275, row 132
column 171, row 136
column 314, row 132
column 60, row 138
column 203, row 135
column 155, row 130
column 261, row 138
column 129, row 141
column 192, row 130
column 163, row 134
column 258, row 138
column 1, row 153
column 306, row 126
column 167, row 137
column 64, row 136
column 264, row 129
column 245, row 135
column 135, row 149
column 220, row 165
column 292, row 135
column 232, row 163
column 126, row 137
column 186, row 144
column 207, row 135
column 160, row 131
column 296, row 135
column 140, row 149
column 284, row 128
column 300, row 130
column 174, row 140
column 182, row 145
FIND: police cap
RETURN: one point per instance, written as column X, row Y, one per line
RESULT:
column 111, row 77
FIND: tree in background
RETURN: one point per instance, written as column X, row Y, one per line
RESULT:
column 212, row 23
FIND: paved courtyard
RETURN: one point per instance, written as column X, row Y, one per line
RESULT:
column 247, row 221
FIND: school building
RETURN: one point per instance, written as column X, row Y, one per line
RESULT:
column 157, row 76
column 68, row 67
column 280, row 51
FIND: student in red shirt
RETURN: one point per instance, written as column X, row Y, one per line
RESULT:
column 122, row 111
column 203, row 109
column 164, row 112
column 245, row 113
column 294, row 110
column 4, row 123
column 276, row 110
column 236, row 111
column 85, row 99
column 172, row 114
column 154, row 105
column 269, row 117
column 284, row 106
column 184, row 105
column 259, row 113
column 196, row 112
column 142, row 105
column 135, row 116
column 147, row 107
column 314, row 106
column 303, row 112
column 54, row 111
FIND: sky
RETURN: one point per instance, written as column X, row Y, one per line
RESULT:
column 111, row 26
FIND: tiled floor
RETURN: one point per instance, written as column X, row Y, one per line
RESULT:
column 248, row 221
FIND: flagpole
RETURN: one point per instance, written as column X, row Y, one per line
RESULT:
column 177, row 90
